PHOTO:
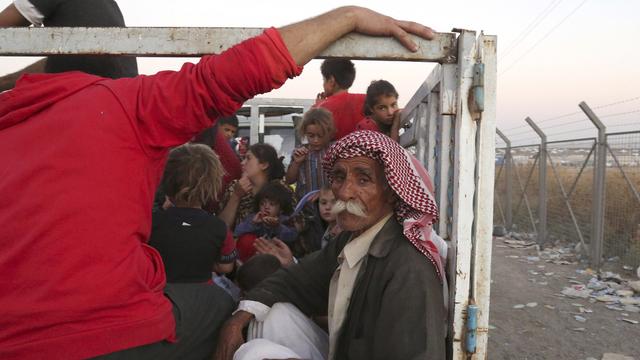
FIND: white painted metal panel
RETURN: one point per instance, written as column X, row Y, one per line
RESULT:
column 464, row 188
column 484, row 195
column 425, row 88
column 448, row 89
column 202, row 41
column 431, row 117
column 443, row 152
column 421, row 125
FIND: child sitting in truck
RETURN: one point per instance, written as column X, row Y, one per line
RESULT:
column 191, row 242
column 381, row 110
column 272, row 205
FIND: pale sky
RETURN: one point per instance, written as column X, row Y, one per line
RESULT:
column 578, row 51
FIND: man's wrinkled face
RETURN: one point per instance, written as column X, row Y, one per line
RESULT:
column 359, row 184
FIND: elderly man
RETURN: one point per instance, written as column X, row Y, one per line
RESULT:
column 78, row 279
column 381, row 280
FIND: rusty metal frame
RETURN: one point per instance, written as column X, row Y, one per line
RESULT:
column 196, row 42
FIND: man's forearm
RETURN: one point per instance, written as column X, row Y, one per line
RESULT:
column 242, row 318
column 230, row 338
column 308, row 38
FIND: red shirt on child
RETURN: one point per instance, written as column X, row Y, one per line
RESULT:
column 347, row 110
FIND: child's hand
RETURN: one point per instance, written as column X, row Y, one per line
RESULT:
column 257, row 218
column 270, row 221
column 321, row 96
column 300, row 154
column 314, row 197
column 243, row 187
column 167, row 203
column 396, row 118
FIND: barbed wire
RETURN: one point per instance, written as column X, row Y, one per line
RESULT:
column 567, row 123
column 554, row 28
column 619, row 114
column 618, row 102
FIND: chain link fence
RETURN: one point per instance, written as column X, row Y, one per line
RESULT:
column 570, row 170
column 570, row 193
column 622, row 202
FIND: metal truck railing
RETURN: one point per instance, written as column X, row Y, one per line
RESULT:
column 450, row 124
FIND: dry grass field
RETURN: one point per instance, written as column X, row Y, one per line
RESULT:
column 622, row 208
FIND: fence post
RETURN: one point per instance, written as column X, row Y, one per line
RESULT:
column 599, row 172
column 508, row 163
column 542, row 183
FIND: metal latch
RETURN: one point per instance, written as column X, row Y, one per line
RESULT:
column 476, row 93
column 472, row 327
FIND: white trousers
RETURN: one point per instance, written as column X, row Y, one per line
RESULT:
column 285, row 333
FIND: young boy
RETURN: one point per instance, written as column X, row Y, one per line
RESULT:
column 338, row 76
column 228, row 127
column 191, row 242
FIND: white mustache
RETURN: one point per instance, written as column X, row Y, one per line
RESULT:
column 352, row 207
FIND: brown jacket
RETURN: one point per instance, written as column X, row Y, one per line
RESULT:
column 396, row 310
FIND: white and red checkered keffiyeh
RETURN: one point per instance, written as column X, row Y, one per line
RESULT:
column 417, row 210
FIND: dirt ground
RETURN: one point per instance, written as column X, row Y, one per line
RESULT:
column 549, row 329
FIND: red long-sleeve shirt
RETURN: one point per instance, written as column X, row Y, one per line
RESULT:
column 80, row 159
